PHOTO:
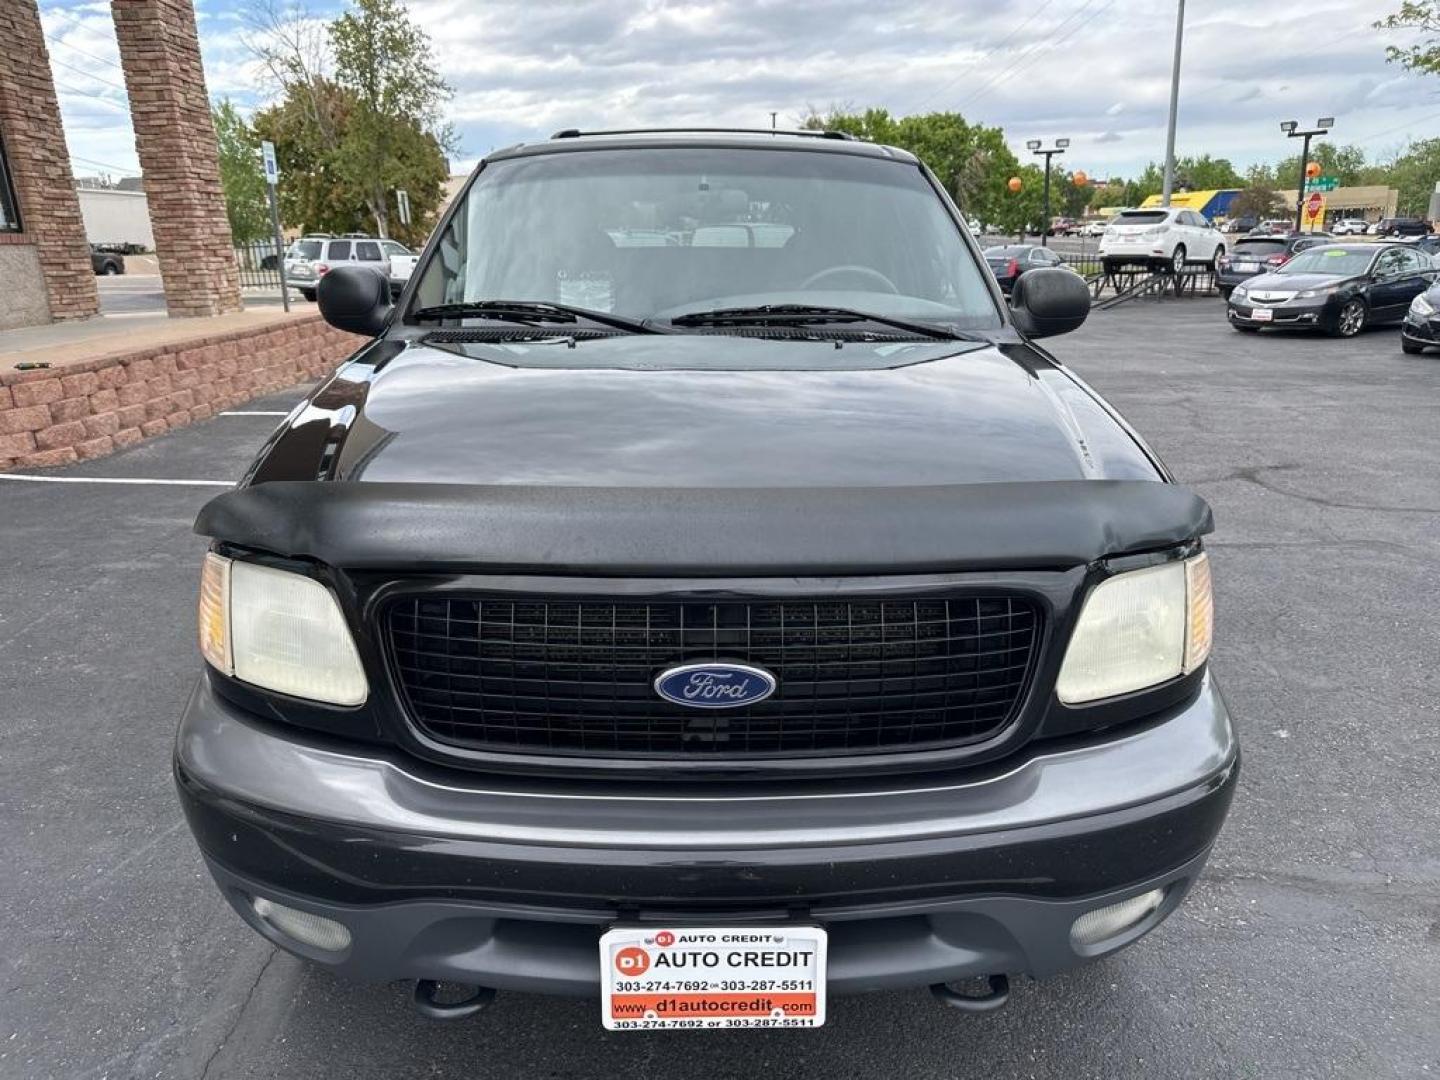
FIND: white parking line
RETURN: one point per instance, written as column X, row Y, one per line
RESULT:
column 241, row 412
column 112, row 480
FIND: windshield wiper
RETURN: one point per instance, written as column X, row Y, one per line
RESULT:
column 810, row 315
column 531, row 311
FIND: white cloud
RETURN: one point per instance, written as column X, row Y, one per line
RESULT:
column 523, row 68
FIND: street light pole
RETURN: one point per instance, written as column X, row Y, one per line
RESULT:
column 1292, row 130
column 1174, row 108
column 1059, row 148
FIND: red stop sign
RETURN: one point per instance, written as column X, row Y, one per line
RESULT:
column 1314, row 203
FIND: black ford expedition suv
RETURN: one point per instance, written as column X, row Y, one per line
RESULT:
column 702, row 595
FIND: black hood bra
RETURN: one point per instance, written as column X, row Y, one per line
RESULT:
column 717, row 531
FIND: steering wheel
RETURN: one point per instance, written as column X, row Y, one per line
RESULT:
column 868, row 272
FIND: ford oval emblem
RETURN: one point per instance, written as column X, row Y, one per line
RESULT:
column 715, row 686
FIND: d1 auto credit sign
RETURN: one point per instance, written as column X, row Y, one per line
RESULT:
column 703, row 977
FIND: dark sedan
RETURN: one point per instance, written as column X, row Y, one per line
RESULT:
column 1255, row 255
column 1421, row 328
column 1403, row 227
column 1008, row 261
column 1338, row 288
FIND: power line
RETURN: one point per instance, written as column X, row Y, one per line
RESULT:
column 93, row 97
column 1031, row 53
column 76, row 48
column 105, row 165
column 985, row 55
column 1397, row 127
column 88, row 75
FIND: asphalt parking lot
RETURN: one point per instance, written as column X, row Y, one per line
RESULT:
column 143, row 294
column 1311, row 948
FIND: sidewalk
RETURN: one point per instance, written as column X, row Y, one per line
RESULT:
column 66, row 344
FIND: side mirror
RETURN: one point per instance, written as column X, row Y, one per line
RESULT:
column 1048, row 302
column 355, row 298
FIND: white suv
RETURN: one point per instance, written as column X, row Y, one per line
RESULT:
column 1349, row 227
column 313, row 257
column 1160, row 238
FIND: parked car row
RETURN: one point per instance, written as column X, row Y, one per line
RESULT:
column 1340, row 289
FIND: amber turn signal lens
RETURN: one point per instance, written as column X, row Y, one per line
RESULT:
column 215, row 613
column 1200, row 612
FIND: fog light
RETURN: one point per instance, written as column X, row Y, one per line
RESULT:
column 314, row 930
column 1103, row 923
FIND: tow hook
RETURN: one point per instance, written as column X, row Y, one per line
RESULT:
column 424, row 1000
column 985, row 1003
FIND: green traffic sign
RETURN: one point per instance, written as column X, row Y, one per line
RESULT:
column 1322, row 183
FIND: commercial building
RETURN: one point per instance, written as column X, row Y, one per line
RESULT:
column 1371, row 202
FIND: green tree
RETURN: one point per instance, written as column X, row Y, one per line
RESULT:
column 1345, row 163
column 1258, row 200
column 347, row 140
column 241, row 175
column 1424, row 55
column 1110, row 193
column 314, row 195
column 1414, row 175
column 1202, row 173
column 394, row 137
column 971, row 160
column 1023, row 212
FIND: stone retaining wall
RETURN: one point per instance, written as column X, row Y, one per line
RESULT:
column 81, row 411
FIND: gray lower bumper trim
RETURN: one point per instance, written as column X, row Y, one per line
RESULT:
column 224, row 751
column 876, row 949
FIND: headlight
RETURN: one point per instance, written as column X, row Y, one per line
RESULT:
column 1422, row 306
column 278, row 630
column 1238, row 291
column 1310, row 294
column 1139, row 629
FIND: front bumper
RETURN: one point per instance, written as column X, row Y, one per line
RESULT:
column 1421, row 331
column 503, row 885
column 1292, row 314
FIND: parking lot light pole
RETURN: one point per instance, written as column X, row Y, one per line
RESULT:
column 1059, row 148
column 1292, row 129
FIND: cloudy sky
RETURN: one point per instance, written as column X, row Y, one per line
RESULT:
column 1097, row 71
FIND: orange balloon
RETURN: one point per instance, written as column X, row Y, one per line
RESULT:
column 1080, row 179
column 1312, row 170
column 1015, row 184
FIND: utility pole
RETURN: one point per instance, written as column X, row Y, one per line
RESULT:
column 1059, row 148
column 1174, row 107
column 1292, row 130
column 772, row 121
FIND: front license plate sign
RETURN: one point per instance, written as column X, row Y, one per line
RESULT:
column 722, row 977
column 1261, row 314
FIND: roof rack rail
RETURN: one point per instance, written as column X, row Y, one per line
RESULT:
column 575, row 133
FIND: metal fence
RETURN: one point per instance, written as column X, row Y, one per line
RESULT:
column 259, row 264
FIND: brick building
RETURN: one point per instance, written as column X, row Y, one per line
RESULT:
column 44, row 256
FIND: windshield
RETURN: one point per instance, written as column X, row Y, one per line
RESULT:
column 1260, row 247
column 1340, row 262
column 304, row 249
column 656, row 233
column 1141, row 217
